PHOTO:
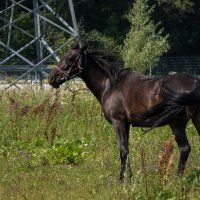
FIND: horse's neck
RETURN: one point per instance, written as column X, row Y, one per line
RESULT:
column 96, row 81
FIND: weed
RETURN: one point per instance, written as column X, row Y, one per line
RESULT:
column 56, row 146
column 165, row 160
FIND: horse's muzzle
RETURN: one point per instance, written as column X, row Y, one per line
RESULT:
column 55, row 82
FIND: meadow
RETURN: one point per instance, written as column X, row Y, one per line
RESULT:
column 56, row 145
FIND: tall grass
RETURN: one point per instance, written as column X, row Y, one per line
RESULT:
column 57, row 145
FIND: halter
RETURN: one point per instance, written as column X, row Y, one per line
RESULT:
column 72, row 67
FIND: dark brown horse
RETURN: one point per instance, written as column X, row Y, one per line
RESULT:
column 128, row 98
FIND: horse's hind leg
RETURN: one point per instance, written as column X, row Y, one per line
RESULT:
column 178, row 129
column 196, row 118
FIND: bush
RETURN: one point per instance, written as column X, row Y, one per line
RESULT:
column 144, row 43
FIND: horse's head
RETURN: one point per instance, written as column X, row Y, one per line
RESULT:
column 70, row 66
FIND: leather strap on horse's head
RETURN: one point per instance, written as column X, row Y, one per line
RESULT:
column 77, row 64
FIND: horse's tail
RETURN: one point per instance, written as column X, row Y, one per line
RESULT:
column 167, row 110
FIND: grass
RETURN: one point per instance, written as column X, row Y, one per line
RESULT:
column 57, row 145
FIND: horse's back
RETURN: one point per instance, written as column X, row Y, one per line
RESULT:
column 181, row 82
column 140, row 93
column 134, row 93
column 178, row 82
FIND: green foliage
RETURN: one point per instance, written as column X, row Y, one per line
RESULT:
column 99, row 40
column 180, row 19
column 104, row 16
column 144, row 43
column 33, row 138
column 58, row 145
column 40, row 153
column 66, row 152
column 180, row 5
column 163, row 195
column 96, row 39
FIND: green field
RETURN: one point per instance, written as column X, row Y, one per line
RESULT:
column 57, row 145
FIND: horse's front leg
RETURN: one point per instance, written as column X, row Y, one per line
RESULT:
column 122, row 130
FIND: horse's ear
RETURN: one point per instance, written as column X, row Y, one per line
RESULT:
column 83, row 49
column 75, row 46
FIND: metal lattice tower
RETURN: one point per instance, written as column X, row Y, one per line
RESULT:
column 40, row 23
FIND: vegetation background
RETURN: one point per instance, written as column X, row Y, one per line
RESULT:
column 104, row 23
column 57, row 144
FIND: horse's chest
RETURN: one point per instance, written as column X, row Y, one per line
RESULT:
column 113, row 108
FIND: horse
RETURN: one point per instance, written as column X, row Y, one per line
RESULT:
column 128, row 98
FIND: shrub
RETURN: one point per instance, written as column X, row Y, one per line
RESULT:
column 144, row 43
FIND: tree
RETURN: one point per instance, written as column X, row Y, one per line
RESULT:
column 144, row 43
column 180, row 19
column 105, row 16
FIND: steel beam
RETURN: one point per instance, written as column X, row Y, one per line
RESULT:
column 56, row 25
column 23, row 16
column 13, row 51
column 37, row 35
column 73, row 18
column 38, row 64
column 37, row 38
column 58, row 17
column 2, row 11
column 50, row 50
column 10, row 27
column 17, row 27
column 19, row 55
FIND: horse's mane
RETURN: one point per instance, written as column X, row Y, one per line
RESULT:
column 110, row 63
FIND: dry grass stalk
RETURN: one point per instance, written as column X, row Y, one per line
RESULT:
column 143, row 168
column 54, row 109
column 72, row 101
column 25, row 110
column 39, row 109
column 165, row 160
column 53, row 133
column 14, row 105
column 17, row 108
